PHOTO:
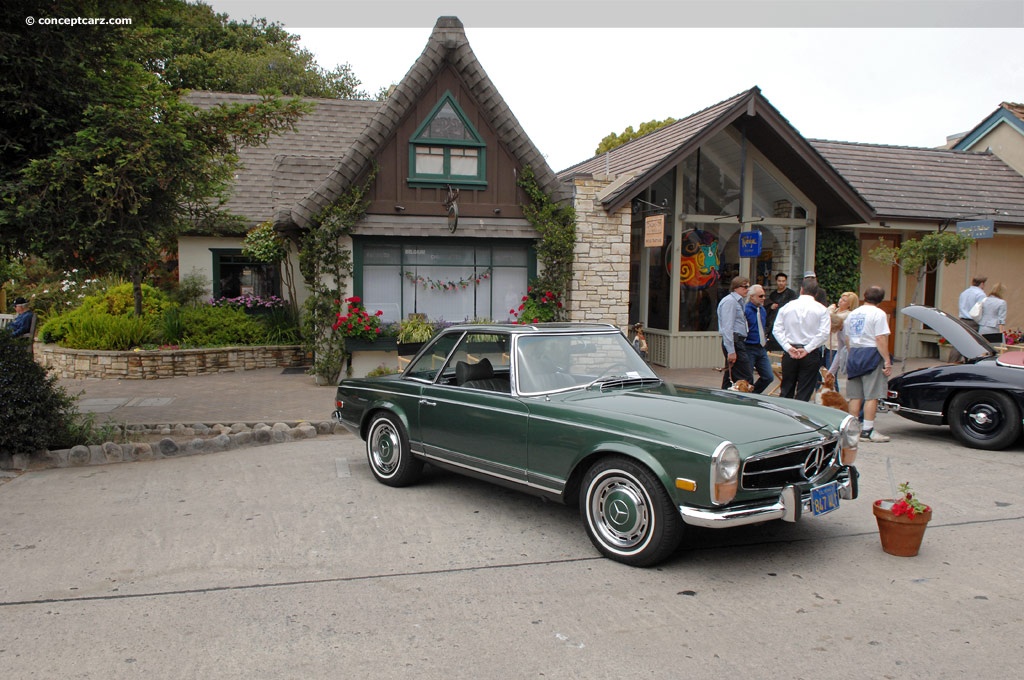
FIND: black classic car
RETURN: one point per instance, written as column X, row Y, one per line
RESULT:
column 573, row 413
column 981, row 399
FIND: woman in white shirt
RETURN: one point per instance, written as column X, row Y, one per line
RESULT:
column 993, row 315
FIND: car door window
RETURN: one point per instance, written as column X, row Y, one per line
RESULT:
column 429, row 364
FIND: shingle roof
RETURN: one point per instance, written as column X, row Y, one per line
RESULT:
column 649, row 157
column 447, row 45
column 1015, row 109
column 929, row 184
column 650, row 154
column 281, row 172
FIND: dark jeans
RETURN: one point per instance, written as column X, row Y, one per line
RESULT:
column 761, row 363
column 800, row 376
column 741, row 370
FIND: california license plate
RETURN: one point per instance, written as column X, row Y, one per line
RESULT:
column 824, row 498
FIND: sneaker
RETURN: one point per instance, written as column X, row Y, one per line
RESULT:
column 874, row 436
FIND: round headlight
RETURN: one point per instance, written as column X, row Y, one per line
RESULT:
column 725, row 473
column 849, row 433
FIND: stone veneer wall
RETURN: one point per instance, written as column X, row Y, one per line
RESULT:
column 155, row 364
column 600, row 285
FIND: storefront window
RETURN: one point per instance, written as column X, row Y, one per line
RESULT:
column 235, row 275
column 659, row 199
column 452, row 282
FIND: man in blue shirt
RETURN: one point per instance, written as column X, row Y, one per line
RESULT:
column 757, row 337
column 21, row 326
column 972, row 295
column 732, row 326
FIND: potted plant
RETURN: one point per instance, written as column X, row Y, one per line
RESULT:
column 901, row 522
column 414, row 331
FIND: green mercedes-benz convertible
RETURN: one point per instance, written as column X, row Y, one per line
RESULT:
column 573, row 413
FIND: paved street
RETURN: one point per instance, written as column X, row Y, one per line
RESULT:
column 290, row 561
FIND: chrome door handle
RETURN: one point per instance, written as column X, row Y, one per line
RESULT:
column 426, row 402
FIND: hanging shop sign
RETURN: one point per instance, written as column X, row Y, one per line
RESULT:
column 654, row 231
column 750, row 244
column 977, row 228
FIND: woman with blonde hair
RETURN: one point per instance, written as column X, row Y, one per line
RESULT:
column 834, row 354
column 992, row 323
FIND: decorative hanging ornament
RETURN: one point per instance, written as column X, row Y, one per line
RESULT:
column 451, row 203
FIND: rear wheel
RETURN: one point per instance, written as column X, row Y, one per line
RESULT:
column 387, row 450
column 985, row 419
column 628, row 514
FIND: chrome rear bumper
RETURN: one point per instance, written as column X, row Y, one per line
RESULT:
column 789, row 506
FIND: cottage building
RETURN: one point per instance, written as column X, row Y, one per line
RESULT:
column 444, row 234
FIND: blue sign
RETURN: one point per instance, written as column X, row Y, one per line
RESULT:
column 977, row 228
column 750, row 244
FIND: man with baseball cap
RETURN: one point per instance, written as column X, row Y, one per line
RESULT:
column 22, row 324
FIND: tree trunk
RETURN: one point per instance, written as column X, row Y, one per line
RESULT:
column 137, row 290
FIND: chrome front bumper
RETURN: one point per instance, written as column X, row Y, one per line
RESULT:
column 789, row 506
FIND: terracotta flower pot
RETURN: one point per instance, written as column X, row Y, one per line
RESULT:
column 900, row 535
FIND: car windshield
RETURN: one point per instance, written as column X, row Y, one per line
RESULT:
column 556, row 362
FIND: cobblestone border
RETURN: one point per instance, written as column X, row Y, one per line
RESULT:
column 177, row 441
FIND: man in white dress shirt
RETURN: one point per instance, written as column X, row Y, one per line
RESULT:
column 802, row 328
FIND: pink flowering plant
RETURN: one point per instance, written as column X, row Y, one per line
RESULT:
column 908, row 504
column 537, row 307
column 356, row 322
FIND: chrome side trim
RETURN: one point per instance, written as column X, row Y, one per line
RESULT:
column 897, row 408
column 557, row 487
column 789, row 506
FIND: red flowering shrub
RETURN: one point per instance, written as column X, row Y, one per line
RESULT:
column 356, row 322
column 537, row 307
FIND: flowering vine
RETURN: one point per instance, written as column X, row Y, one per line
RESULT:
column 537, row 307
column 435, row 284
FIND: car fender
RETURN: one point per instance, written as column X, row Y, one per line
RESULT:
column 642, row 455
column 389, row 405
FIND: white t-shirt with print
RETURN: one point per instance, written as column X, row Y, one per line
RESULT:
column 865, row 324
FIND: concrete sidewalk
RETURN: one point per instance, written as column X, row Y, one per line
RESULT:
column 264, row 395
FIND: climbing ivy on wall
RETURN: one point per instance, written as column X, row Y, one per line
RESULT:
column 325, row 263
column 556, row 224
column 837, row 262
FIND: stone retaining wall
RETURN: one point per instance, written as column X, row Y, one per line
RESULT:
column 163, row 363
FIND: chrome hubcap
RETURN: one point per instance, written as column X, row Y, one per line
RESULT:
column 620, row 512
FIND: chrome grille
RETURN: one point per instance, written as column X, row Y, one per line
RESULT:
column 792, row 465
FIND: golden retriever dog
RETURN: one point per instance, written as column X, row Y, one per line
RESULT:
column 826, row 395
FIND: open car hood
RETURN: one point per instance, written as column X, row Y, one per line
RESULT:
column 963, row 338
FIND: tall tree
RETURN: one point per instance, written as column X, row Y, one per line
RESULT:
column 196, row 48
column 612, row 140
column 107, row 163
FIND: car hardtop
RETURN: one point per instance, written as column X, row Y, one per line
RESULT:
column 533, row 328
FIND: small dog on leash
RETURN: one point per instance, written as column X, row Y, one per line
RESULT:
column 827, row 394
column 741, row 386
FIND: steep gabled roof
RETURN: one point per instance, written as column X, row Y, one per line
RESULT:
column 929, row 184
column 281, row 171
column 1008, row 113
column 646, row 159
column 447, row 46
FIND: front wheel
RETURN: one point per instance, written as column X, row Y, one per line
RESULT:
column 388, row 452
column 628, row 514
column 985, row 419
